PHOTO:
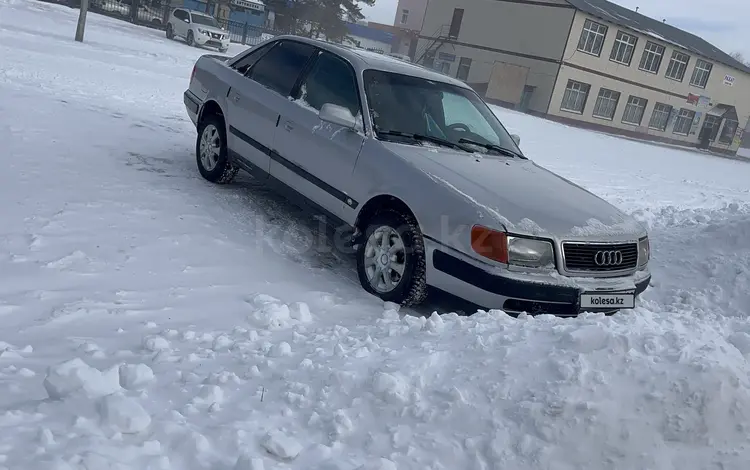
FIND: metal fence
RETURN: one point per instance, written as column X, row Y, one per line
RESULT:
column 155, row 14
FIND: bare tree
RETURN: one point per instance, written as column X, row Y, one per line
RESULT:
column 738, row 56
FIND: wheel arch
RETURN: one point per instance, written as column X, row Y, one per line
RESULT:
column 211, row 108
column 380, row 203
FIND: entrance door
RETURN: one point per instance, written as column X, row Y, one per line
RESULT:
column 709, row 131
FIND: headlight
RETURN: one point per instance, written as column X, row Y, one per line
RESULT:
column 644, row 252
column 530, row 252
column 202, row 31
column 512, row 249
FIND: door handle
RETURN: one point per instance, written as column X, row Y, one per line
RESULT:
column 236, row 98
column 288, row 126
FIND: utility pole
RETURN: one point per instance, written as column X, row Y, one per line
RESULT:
column 82, row 20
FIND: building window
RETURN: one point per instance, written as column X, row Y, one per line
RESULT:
column 684, row 122
column 464, row 64
column 592, row 38
column 634, row 110
column 455, row 27
column 622, row 50
column 727, row 133
column 574, row 99
column 677, row 66
column 606, row 104
column 701, row 73
column 660, row 117
column 404, row 16
column 651, row 58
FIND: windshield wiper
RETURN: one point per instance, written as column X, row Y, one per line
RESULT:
column 494, row 147
column 427, row 138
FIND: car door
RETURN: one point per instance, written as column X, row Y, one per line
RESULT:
column 318, row 158
column 258, row 92
column 180, row 26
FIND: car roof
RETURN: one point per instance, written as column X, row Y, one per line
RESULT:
column 363, row 59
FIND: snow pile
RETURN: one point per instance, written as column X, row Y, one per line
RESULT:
column 166, row 327
column 74, row 376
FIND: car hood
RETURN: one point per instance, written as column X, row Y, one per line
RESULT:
column 211, row 29
column 521, row 195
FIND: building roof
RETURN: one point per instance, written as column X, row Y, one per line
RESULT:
column 622, row 16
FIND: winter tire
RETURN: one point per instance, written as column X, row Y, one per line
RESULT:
column 391, row 259
column 170, row 32
column 211, row 151
column 190, row 39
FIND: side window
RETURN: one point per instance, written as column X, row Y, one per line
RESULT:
column 180, row 14
column 280, row 68
column 331, row 80
column 246, row 63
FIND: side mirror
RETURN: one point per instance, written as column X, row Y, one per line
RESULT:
column 186, row 20
column 516, row 138
column 338, row 115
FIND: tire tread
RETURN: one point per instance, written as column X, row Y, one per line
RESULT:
column 417, row 290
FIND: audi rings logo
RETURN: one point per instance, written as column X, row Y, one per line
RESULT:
column 608, row 258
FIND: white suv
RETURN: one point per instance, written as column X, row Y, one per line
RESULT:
column 198, row 29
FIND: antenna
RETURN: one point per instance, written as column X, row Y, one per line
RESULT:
column 636, row 9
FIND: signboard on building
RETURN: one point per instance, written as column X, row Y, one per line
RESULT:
column 728, row 80
column 447, row 57
column 248, row 5
column 700, row 101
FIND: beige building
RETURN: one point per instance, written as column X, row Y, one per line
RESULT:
column 591, row 63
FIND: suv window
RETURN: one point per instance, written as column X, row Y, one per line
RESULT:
column 331, row 80
column 280, row 68
column 247, row 62
column 180, row 14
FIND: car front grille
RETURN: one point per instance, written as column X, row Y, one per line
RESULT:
column 600, row 257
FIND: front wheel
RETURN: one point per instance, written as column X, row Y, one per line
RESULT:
column 391, row 259
column 211, row 151
column 190, row 39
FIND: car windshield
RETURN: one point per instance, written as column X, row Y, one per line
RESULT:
column 404, row 105
column 205, row 20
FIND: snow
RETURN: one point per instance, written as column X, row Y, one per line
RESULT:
column 151, row 320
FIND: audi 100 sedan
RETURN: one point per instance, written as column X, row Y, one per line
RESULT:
column 431, row 186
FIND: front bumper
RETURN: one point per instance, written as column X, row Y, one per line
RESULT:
column 516, row 292
column 210, row 41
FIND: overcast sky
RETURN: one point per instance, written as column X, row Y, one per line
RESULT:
column 724, row 23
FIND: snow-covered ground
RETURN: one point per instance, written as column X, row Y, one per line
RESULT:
column 151, row 320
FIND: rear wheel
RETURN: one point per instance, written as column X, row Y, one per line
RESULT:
column 211, row 151
column 391, row 259
column 170, row 31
